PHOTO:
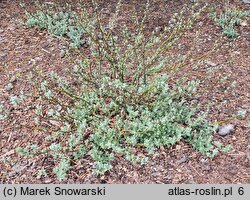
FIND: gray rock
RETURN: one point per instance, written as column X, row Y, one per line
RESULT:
column 246, row 106
column 205, row 165
column 55, row 123
column 226, row 129
column 38, row 59
column 48, row 180
column 246, row 1
column 158, row 29
column 16, row 169
column 71, row 181
column 182, row 160
column 3, row 56
column 210, row 63
column 168, row 179
column 62, row 53
column 13, row 79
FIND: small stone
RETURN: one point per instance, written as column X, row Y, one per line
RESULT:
column 24, row 176
column 168, row 179
column 244, row 23
column 16, row 169
column 226, row 129
column 3, row 55
column 178, row 147
column 201, row 24
column 38, row 59
column 237, row 52
column 62, row 53
column 182, row 160
column 48, row 181
column 13, row 79
column 158, row 29
column 205, row 166
column 55, row 123
column 9, row 87
column 194, row 101
column 232, row 170
column 211, row 63
column 11, row 27
column 246, row 1
column 178, row 170
column 246, row 106
column 71, row 181
column 234, row 138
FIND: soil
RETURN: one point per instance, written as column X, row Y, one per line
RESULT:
column 23, row 48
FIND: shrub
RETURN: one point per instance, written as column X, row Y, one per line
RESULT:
column 228, row 20
column 118, row 98
column 59, row 24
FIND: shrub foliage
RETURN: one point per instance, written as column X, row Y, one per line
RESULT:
column 228, row 20
column 118, row 98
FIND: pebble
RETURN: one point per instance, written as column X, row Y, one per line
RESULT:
column 55, row 123
column 16, row 169
column 194, row 101
column 11, row 27
column 38, row 177
column 237, row 52
column 48, row 181
column 226, row 129
column 205, row 166
column 246, row 1
column 62, row 53
column 71, row 181
column 210, row 63
column 234, row 138
column 13, row 79
column 158, row 29
column 244, row 23
column 182, row 160
column 178, row 147
column 38, row 59
column 246, row 106
column 168, row 179
column 3, row 55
